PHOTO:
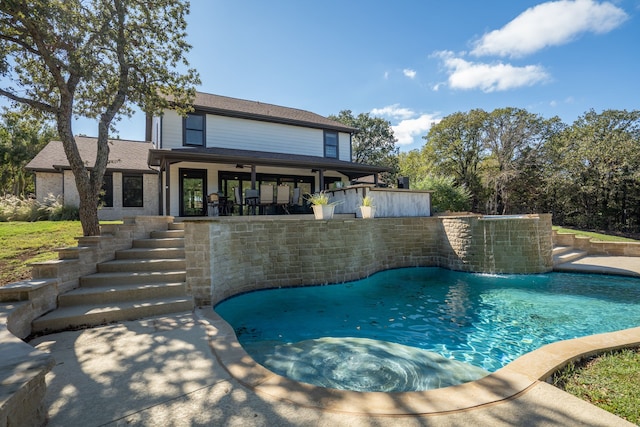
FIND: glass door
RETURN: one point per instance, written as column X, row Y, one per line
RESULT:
column 193, row 192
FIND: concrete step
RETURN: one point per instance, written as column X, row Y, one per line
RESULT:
column 150, row 253
column 559, row 250
column 169, row 242
column 129, row 278
column 142, row 265
column 176, row 226
column 92, row 315
column 109, row 294
column 166, row 234
column 568, row 256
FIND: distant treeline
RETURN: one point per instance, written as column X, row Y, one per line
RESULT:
column 510, row 161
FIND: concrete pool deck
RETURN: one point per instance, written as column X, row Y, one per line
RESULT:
column 184, row 370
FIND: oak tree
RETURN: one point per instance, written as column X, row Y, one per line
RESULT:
column 95, row 59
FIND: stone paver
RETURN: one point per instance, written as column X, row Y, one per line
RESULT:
column 602, row 264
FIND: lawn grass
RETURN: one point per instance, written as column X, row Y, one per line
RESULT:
column 609, row 381
column 595, row 236
column 27, row 242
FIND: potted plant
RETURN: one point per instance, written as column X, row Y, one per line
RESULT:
column 322, row 208
column 367, row 209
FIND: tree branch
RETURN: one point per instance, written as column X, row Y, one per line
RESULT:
column 39, row 105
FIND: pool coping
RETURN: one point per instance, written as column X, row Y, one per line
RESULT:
column 505, row 384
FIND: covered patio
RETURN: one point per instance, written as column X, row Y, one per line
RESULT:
column 189, row 175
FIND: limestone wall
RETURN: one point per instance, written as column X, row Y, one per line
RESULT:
column 520, row 245
column 226, row 256
column 595, row 247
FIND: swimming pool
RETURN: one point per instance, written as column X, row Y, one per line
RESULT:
column 423, row 328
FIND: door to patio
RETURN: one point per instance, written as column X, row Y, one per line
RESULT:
column 193, row 192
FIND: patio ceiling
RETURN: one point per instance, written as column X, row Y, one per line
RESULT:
column 260, row 158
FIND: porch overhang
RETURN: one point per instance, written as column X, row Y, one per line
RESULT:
column 161, row 158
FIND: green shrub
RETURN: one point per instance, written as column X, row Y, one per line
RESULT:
column 56, row 211
column 13, row 208
column 446, row 196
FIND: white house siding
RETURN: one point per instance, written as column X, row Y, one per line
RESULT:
column 244, row 134
column 344, row 146
column 48, row 183
column 156, row 132
column 171, row 130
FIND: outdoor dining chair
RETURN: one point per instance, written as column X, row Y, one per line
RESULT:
column 282, row 197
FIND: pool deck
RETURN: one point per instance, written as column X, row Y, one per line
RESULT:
column 187, row 369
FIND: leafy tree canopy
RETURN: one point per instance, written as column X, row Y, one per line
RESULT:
column 21, row 137
column 94, row 59
column 374, row 144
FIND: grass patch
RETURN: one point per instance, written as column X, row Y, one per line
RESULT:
column 609, row 381
column 27, row 242
column 593, row 235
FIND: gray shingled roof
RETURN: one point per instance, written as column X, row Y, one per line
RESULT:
column 123, row 155
column 234, row 107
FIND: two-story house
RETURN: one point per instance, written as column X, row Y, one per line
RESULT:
column 227, row 143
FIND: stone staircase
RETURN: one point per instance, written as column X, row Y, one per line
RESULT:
column 563, row 254
column 146, row 280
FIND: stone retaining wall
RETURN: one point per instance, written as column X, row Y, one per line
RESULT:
column 594, row 247
column 226, row 257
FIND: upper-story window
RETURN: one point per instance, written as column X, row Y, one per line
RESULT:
column 331, row 144
column 194, row 125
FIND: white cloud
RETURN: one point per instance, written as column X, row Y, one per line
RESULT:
column 550, row 24
column 408, row 130
column 411, row 127
column 386, row 75
column 409, row 73
column 466, row 75
column 393, row 111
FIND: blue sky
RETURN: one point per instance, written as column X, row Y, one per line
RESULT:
column 414, row 62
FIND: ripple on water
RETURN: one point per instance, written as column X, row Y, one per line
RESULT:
column 362, row 364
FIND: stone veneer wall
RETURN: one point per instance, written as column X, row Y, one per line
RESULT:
column 227, row 256
column 520, row 245
column 596, row 247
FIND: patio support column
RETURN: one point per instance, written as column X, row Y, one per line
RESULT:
column 321, row 178
column 167, row 192
column 253, row 177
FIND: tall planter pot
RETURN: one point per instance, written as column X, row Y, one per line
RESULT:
column 367, row 211
column 323, row 211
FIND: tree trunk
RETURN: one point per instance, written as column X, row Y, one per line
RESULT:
column 88, row 211
column 88, row 208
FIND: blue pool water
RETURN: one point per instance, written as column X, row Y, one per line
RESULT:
column 423, row 328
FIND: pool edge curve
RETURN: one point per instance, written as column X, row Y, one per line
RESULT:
column 508, row 382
